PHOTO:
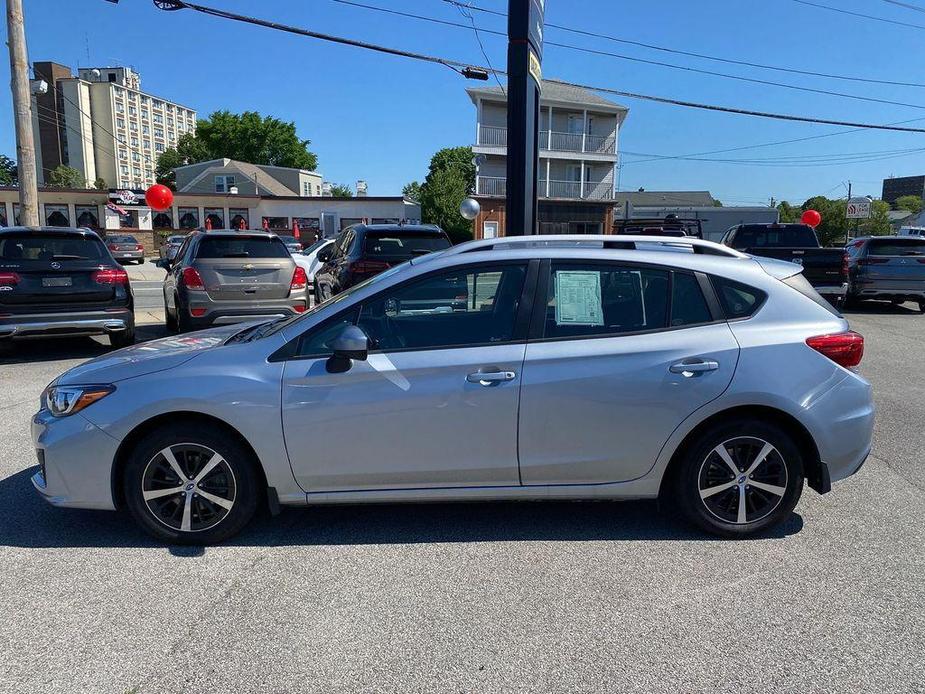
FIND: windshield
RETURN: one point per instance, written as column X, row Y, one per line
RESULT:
column 242, row 247
column 315, row 246
column 395, row 245
column 897, row 247
column 31, row 246
column 288, row 239
column 762, row 236
column 275, row 327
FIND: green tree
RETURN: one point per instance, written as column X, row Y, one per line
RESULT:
column 450, row 179
column 910, row 203
column 879, row 222
column 717, row 203
column 412, row 191
column 65, row 177
column 9, row 174
column 100, row 183
column 246, row 136
column 339, row 190
column 833, row 227
column 788, row 213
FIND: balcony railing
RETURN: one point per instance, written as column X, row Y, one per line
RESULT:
column 568, row 190
column 494, row 136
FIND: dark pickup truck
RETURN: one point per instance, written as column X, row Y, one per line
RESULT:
column 824, row 268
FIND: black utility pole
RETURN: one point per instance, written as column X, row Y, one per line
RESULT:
column 524, row 56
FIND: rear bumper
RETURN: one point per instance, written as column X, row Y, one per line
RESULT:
column 228, row 315
column 838, row 291
column 128, row 255
column 70, row 324
column 888, row 289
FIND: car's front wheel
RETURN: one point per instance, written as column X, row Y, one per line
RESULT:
column 739, row 478
column 191, row 484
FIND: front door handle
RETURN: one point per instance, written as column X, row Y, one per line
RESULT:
column 693, row 367
column 487, row 378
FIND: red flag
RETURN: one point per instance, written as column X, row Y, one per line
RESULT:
column 208, row 224
column 266, row 224
column 295, row 229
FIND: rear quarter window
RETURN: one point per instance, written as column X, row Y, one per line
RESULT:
column 738, row 300
column 243, row 247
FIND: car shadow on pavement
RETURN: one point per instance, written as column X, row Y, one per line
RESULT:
column 874, row 308
column 27, row 521
column 54, row 349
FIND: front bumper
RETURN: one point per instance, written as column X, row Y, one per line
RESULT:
column 75, row 459
column 69, row 324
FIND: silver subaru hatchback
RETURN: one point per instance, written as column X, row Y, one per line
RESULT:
column 570, row 367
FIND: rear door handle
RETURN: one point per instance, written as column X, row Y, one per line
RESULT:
column 487, row 378
column 693, row 367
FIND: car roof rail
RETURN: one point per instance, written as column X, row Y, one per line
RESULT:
column 610, row 242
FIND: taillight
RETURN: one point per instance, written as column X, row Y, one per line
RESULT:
column 110, row 276
column 139, row 247
column 369, row 267
column 844, row 264
column 197, row 312
column 112, row 247
column 298, row 308
column 845, row 349
column 191, row 278
column 9, row 279
column 299, row 279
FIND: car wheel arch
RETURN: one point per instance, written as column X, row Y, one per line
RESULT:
column 158, row 421
column 812, row 464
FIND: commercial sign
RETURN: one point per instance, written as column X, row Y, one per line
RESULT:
column 128, row 196
column 858, row 208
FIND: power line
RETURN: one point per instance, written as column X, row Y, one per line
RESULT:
column 794, row 162
column 858, row 14
column 454, row 64
column 906, row 5
column 691, row 54
column 467, row 14
column 620, row 56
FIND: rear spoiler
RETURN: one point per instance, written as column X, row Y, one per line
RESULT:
column 779, row 269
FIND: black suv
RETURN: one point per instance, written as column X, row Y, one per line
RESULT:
column 364, row 250
column 60, row 281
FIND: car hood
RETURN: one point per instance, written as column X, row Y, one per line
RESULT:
column 148, row 357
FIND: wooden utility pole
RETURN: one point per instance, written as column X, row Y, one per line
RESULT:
column 22, row 113
column 524, row 56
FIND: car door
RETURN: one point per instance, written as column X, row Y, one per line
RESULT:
column 327, row 270
column 435, row 403
column 173, row 273
column 619, row 356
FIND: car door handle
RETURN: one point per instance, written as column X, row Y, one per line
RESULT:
column 487, row 378
column 693, row 367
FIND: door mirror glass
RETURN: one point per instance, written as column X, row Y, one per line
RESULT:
column 351, row 343
column 325, row 254
column 162, row 263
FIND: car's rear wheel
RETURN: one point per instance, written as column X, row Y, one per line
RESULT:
column 123, row 338
column 170, row 319
column 740, row 478
column 191, row 484
column 184, row 324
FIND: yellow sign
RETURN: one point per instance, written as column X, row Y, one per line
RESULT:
column 535, row 69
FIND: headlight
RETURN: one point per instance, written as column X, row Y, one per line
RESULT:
column 62, row 401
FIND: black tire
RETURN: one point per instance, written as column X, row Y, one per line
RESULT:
column 234, row 481
column 318, row 296
column 184, row 324
column 123, row 338
column 922, row 307
column 703, row 468
column 141, row 262
column 170, row 320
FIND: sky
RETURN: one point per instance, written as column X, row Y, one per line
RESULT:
column 380, row 118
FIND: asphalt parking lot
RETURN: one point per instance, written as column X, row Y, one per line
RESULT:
column 482, row 597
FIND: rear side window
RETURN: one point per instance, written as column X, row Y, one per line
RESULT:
column 241, row 247
column 761, row 236
column 591, row 300
column 688, row 306
column 738, row 300
column 897, row 247
column 396, row 246
column 25, row 247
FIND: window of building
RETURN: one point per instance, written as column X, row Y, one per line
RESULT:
column 223, row 183
column 136, row 171
column 216, row 216
column 612, row 299
column 133, row 126
column 238, row 215
column 136, row 156
column 145, row 130
column 123, row 170
column 57, row 216
column 162, row 220
column 112, row 78
column 158, row 132
column 189, row 217
column 123, row 154
column 306, row 188
column 169, row 108
column 159, row 147
column 87, row 216
column 157, row 104
column 277, row 222
column 132, row 111
column 121, row 138
column 144, row 100
column 134, row 142
column 120, row 123
column 147, row 144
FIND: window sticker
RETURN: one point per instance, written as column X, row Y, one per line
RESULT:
column 578, row 298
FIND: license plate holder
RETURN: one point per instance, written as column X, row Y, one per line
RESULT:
column 57, row 282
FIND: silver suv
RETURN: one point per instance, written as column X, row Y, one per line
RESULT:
column 574, row 367
column 223, row 277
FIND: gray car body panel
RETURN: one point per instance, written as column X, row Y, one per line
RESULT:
column 287, row 415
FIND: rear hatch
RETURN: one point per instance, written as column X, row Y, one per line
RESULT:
column 895, row 263
column 244, row 268
column 46, row 271
column 123, row 243
column 383, row 249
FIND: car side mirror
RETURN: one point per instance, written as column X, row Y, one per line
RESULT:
column 162, row 263
column 325, row 254
column 352, row 343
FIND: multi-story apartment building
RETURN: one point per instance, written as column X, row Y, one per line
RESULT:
column 102, row 124
column 578, row 138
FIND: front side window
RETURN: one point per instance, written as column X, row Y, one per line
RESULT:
column 458, row 308
column 588, row 300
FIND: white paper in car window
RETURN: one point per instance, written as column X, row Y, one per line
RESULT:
column 578, row 298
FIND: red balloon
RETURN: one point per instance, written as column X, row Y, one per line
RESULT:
column 811, row 218
column 159, row 197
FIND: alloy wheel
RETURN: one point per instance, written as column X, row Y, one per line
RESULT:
column 742, row 480
column 188, row 487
